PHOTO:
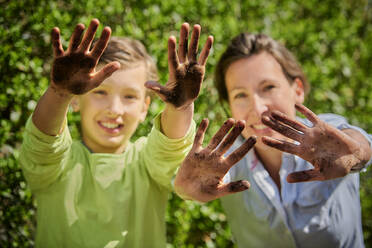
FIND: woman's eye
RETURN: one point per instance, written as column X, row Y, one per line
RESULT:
column 269, row 87
column 240, row 95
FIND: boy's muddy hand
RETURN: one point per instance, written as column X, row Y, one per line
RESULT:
column 186, row 72
column 201, row 173
column 332, row 152
column 73, row 70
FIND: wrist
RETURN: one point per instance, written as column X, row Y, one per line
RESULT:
column 61, row 94
column 179, row 187
column 185, row 108
column 362, row 157
column 179, row 192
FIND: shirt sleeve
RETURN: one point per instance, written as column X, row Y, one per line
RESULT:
column 163, row 155
column 42, row 157
column 341, row 123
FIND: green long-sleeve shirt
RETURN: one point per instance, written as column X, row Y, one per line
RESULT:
column 101, row 200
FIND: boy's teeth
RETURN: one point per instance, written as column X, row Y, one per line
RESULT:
column 109, row 125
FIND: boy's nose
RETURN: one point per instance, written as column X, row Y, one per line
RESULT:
column 116, row 107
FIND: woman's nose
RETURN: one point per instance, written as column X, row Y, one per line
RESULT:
column 259, row 105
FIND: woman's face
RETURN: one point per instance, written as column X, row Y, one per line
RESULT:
column 257, row 85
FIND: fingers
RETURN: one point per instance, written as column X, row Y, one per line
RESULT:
column 281, row 145
column 305, row 176
column 239, row 153
column 292, row 123
column 283, row 129
column 172, row 55
column 217, row 138
column 194, row 43
column 199, row 137
column 205, row 52
column 233, row 187
column 308, row 113
column 101, row 44
column 230, row 138
column 89, row 35
column 75, row 38
column 56, row 42
column 184, row 36
column 104, row 73
column 190, row 53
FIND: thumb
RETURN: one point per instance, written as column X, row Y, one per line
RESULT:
column 162, row 91
column 105, row 72
column 305, row 176
column 233, row 187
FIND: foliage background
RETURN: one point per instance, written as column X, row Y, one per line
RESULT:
column 331, row 38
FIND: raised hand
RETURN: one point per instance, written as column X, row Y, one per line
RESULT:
column 186, row 72
column 201, row 173
column 332, row 152
column 73, row 70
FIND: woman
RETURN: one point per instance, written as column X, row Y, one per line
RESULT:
column 303, row 191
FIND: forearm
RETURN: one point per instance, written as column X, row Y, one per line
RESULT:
column 176, row 122
column 51, row 111
column 364, row 152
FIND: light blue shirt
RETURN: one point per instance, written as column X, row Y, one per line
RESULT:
column 310, row 214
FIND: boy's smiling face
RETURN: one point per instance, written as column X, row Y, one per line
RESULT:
column 111, row 112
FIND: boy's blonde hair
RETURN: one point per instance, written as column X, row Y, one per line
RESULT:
column 129, row 53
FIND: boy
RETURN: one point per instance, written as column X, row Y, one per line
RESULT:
column 104, row 191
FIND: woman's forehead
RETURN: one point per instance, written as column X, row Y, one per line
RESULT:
column 256, row 68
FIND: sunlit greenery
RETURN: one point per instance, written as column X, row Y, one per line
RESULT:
column 331, row 38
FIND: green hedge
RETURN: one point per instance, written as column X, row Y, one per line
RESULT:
column 331, row 38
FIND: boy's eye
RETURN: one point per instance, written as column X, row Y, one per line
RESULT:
column 130, row 97
column 99, row 92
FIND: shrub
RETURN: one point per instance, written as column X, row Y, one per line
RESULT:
column 332, row 40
